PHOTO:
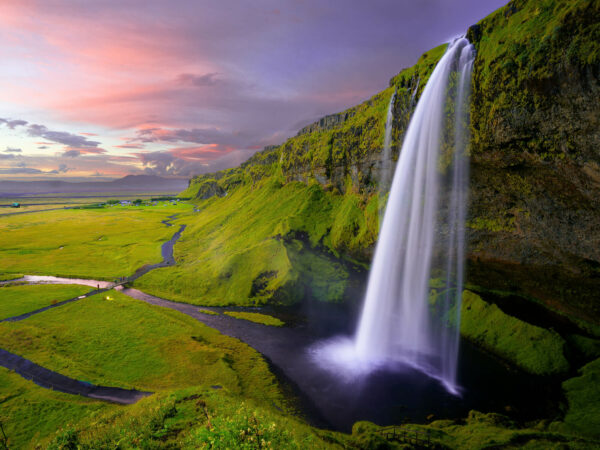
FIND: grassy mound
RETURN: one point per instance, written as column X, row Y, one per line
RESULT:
column 583, row 397
column 536, row 350
column 265, row 319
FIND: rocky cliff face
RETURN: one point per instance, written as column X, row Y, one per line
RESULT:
column 535, row 187
column 534, row 211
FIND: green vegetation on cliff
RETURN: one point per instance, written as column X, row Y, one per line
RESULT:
column 526, row 51
column 583, row 402
column 537, row 350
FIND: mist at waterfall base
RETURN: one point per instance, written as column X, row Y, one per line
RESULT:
column 401, row 326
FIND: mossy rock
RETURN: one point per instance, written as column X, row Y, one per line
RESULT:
column 534, row 349
column 583, row 399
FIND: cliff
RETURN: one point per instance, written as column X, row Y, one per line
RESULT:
column 534, row 209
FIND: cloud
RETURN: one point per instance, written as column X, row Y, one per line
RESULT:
column 9, row 156
column 62, row 168
column 131, row 146
column 43, row 147
column 204, row 136
column 207, row 79
column 12, row 124
column 18, row 170
column 71, row 153
column 179, row 162
column 13, row 150
column 62, row 137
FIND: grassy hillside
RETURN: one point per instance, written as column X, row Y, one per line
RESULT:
column 267, row 240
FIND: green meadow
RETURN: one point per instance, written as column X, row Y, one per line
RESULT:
column 100, row 243
column 127, row 343
column 17, row 300
column 111, row 339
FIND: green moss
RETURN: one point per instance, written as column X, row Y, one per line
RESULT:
column 523, row 49
column 494, row 225
column 209, row 312
column 588, row 347
column 583, row 397
column 478, row 431
column 421, row 70
column 536, row 350
column 264, row 319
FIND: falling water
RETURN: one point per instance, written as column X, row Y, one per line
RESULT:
column 385, row 176
column 398, row 323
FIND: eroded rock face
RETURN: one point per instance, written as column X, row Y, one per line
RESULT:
column 534, row 223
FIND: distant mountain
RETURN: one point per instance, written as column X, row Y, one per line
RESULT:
column 130, row 183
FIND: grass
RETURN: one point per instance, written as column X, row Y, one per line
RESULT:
column 10, row 276
column 479, row 431
column 131, row 344
column 28, row 411
column 534, row 349
column 194, row 418
column 209, row 311
column 265, row 319
column 128, row 343
column 261, row 244
column 98, row 244
column 17, row 300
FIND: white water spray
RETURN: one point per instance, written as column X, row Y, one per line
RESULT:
column 399, row 324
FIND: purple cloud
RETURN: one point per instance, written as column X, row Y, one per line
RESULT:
column 12, row 124
column 207, row 79
column 62, row 137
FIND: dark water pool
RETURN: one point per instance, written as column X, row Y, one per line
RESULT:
column 329, row 399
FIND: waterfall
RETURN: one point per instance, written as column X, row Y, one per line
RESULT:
column 398, row 321
column 386, row 155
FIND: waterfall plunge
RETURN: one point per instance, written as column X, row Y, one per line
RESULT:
column 398, row 324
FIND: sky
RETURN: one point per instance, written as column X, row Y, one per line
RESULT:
column 174, row 88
